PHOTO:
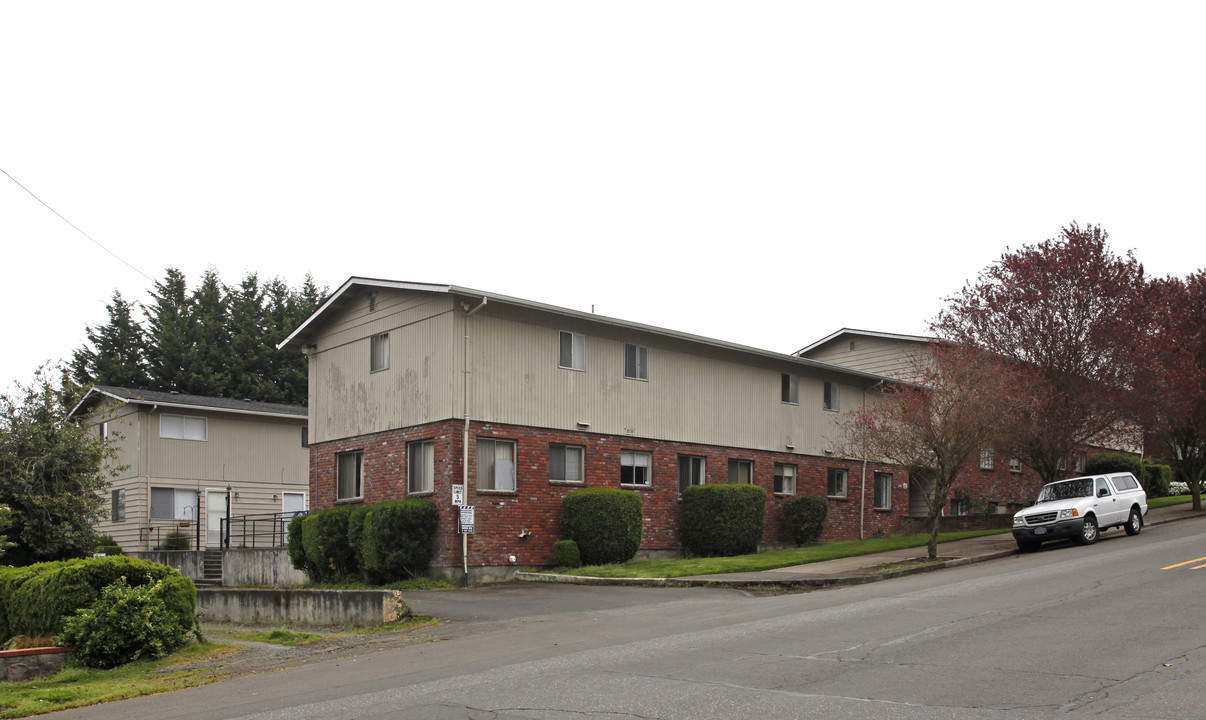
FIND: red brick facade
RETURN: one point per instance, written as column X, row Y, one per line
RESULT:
column 525, row 523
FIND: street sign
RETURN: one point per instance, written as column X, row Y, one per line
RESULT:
column 465, row 527
column 458, row 495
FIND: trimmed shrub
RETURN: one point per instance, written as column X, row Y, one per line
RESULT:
column 297, row 550
column 565, row 554
column 175, row 541
column 36, row 603
column 1159, row 478
column 1117, row 462
column 804, row 518
column 125, row 623
column 397, row 539
column 604, row 522
column 325, row 539
column 722, row 519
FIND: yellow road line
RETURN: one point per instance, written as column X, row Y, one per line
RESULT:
column 1187, row 562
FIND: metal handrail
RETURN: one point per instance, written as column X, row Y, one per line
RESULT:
column 265, row 530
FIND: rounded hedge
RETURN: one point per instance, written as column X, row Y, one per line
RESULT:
column 804, row 518
column 722, row 520
column 397, row 540
column 606, row 523
column 124, row 624
column 328, row 550
column 565, row 554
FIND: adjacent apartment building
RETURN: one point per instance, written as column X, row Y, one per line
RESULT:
column 180, row 457
column 416, row 388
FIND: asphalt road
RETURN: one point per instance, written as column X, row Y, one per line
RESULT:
column 1069, row 631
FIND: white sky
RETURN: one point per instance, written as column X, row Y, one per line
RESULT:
column 757, row 172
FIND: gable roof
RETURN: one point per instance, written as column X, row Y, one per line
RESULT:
column 98, row 393
column 865, row 333
column 476, row 298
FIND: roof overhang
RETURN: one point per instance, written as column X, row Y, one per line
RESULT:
column 97, row 394
column 866, row 333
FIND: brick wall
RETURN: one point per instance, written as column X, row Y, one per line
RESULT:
column 525, row 523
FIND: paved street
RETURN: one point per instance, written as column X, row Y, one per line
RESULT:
column 1070, row 631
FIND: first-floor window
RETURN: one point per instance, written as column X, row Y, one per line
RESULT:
column 1080, row 463
column 690, row 471
column 349, row 475
column 117, row 502
column 635, row 468
column 958, row 507
column 421, row 477
column 495, row 464
column 565, row 463
column 741, row 472
column 785, row 479
column 835, row 486
column 883, row 491
column 173, row 504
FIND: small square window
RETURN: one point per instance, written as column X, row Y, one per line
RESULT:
column 572, row 351
column 883, row 491
column 421, row 476
column 789, row 389
column 636, row 362
column 830, row 400
column 349, row 475
column 690, row 471
column 495, row 464
column 636, row 468
column 565, row 463
column 988, row 459
column 835, row 486
column 785, row 479
column 741, row 472
column 1015, row 465
column 379, row 352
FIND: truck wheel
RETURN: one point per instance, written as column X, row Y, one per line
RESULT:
column 1088, row 531
column 1134, row 524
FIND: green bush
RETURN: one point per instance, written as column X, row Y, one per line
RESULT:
column 107, row 545
column 605, row 523
column 804, row 518
column 565, row 554
column 397, row 540
column 325, row 539
column 296, row 548
column 722, row 520
column 1159, row 478
column 1117, row 462
column 36, row 602
column 176, row 541
column 125, row 623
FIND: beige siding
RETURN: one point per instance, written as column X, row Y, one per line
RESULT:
column 882, row 356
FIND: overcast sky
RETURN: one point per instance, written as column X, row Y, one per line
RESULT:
column 761, row 173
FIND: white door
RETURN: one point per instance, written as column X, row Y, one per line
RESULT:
column 215, row 513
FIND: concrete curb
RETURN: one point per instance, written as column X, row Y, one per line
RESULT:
column 814, row 582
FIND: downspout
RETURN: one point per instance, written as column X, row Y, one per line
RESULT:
column 465, row 432
column 862, row 492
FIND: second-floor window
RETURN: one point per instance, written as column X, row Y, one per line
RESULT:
column 636, row 362
column 790, row 389
column 379, row 352
column 183, row 427
column 830, row 399
column 572, row 351
column 987, row 458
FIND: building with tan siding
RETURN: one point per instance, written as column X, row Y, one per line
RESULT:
column 177, row 455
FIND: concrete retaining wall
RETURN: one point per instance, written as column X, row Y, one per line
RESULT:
column 260, row 568
column 27, row 664
column 188, row 562
column 360, row 608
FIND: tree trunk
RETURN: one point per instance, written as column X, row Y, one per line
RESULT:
column 932, row 546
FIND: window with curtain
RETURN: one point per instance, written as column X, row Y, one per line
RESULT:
column 495, row 464
column 636, row 467
column 421, row 477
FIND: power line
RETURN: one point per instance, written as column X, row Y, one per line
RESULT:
column 81, row 232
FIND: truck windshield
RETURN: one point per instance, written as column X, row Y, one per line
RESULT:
column 1081, row 487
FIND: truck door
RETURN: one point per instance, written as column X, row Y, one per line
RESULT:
column 1107, row 505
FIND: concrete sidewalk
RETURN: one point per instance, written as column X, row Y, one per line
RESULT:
column 856, row 570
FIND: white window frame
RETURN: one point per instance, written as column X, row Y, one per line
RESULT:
column 694, row 467
column 785, row 479
column 882, row 494
column 420, row 466
column 379, row 352
column 830, row 396
column 184, row 503
column 571, row 351
column 496, row 474
column 789, row 388
column 352, row 461
column 566, row 463
column 988, row 458
column 841, row 476
column 183, row 427
column 1015, row 465
column 305, row 503
column 636, row 361
column 735, row 467
column 102, row 429
column 640, row 464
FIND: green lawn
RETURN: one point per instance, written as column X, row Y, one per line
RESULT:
column 1170, row 500
column 766, row 560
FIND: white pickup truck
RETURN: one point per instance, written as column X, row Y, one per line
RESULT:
column 1081, row 508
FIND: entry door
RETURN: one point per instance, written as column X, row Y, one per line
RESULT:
column 215, row 513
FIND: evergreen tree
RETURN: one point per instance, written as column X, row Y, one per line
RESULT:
column 114, row 352
column 208, row 361
column 169, row 339
column 250, row 342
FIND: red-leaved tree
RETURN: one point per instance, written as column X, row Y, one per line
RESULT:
column 1067, row 308
column 961, row 400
